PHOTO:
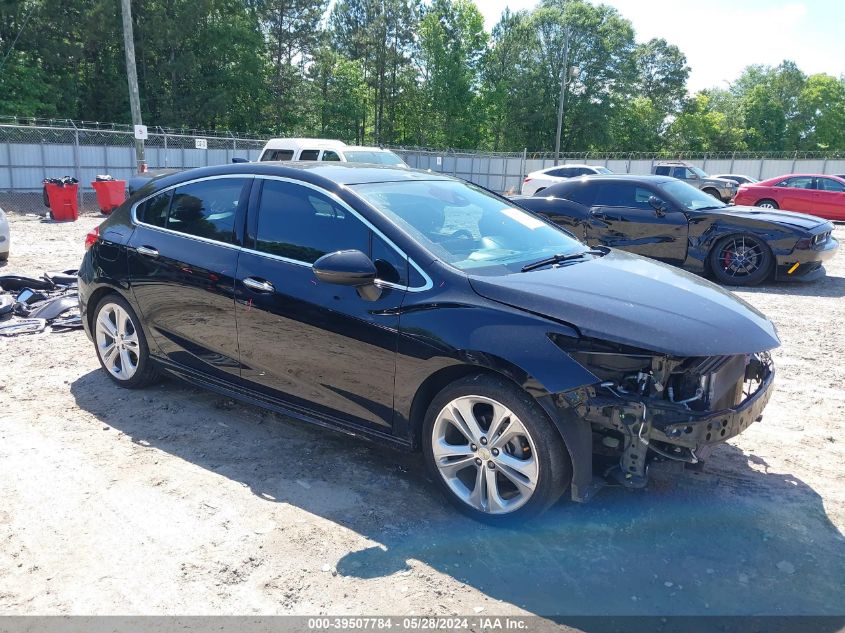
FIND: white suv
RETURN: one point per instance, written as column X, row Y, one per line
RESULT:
column 536, row 181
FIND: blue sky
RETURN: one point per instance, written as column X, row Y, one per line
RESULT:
column 721, row 37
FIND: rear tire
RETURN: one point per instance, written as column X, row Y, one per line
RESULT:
column 493, row 450
column 766, row 203
column 741, row 260
column 120, row 343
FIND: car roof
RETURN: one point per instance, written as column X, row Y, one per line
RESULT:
column 365, row 148
column 304, row 143
column 326, row 175
column 655, row 180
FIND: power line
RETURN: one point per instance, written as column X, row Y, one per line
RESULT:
column 15, row 41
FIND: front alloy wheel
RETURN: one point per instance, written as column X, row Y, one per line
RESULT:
column 493, row 450
column 485, row 455
column 741, row 260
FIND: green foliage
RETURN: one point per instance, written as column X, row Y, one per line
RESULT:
column 412, row 72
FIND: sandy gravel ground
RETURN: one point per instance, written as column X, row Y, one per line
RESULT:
column 175, row 501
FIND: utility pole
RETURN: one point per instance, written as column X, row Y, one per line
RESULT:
column 132, row 78
column 564, row 76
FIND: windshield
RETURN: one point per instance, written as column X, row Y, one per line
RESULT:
column 379, row 158
column 603, row 170
column 467, row 227
column 692, row 198
column 698, row 172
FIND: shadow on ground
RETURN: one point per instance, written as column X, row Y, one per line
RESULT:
column 825, row 287
column 735, row 540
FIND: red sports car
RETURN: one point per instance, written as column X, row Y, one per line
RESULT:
column 817, row 194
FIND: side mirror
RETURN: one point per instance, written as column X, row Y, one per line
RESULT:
column 238, row 159
column 349, row 268
column 660, row 207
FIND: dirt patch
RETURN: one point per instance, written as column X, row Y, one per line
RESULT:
column 173, row 501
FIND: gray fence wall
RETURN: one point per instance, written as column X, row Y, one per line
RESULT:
column 28, row 154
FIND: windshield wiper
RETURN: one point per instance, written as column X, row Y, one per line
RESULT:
column 558, row 259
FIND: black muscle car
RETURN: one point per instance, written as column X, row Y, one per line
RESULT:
column 671, row 221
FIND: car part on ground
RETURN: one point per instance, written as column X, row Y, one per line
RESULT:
column 52, row 299
column 22, row 326
column 663, row 218
column 422, row 280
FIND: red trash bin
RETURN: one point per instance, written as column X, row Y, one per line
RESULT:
column 63, row 201
column 110, row 194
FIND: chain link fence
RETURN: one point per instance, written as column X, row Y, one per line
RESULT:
column 32, row 150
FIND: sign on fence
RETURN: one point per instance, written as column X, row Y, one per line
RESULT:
column 201, row 143
column 141, row 132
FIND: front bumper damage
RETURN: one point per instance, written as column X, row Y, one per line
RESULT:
column 657, row 423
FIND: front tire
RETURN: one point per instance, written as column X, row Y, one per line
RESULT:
column 493, row 450
column 741, row 260
column 120, row 343
column 714, row 193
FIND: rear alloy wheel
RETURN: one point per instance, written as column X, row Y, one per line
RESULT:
column 494, row 451
column 767, row 204
column 741, row 260
column 121, row 344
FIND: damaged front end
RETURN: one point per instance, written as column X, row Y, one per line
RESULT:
column 649, row 405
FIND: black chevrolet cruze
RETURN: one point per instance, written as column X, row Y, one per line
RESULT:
column 426, row 313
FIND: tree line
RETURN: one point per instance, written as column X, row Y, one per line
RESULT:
column 402, row 72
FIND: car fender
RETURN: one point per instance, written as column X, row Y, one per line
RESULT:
column 517, row 346
column 706, row 232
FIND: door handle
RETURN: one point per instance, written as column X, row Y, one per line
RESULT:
column 147, row 251
column 258, row 285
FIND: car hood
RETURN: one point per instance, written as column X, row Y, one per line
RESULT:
column 635, row 301
column 722, row 182
column 786, row 218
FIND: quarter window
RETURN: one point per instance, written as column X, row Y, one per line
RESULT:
column 207, row 209
column 309, row 154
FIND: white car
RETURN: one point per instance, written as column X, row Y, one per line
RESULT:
column 536, row 181
column 4, row 237
column 321, row 149
column 739, row 179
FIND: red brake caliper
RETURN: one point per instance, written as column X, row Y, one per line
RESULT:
column 728, row 257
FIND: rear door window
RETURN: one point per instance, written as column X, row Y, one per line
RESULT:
column 662, row 170
column 330, row 156
column 801, row 182
column 582, row 193
column 207, row 209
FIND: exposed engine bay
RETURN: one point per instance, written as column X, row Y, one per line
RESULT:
column 652, row 406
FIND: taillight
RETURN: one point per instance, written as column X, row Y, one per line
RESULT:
column 526, row 180
column 92, row 237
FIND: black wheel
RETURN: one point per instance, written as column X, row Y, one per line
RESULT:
column 741, row 260
column 120, row 343
column 767, row 204
column 493, row 451
column 714, row 193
